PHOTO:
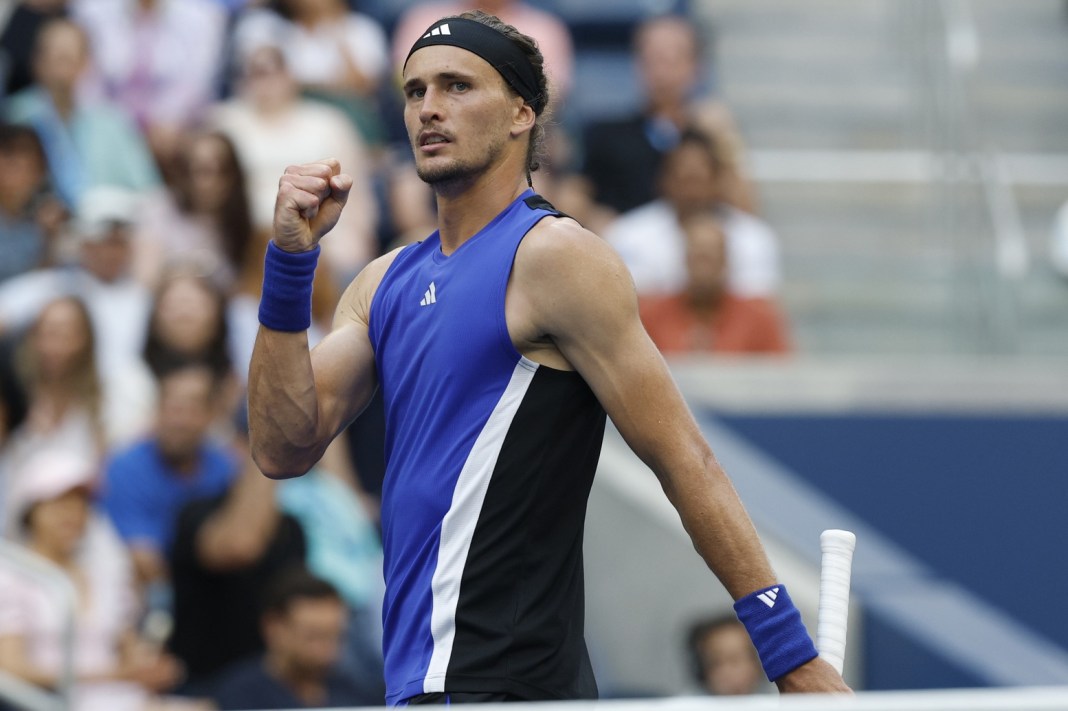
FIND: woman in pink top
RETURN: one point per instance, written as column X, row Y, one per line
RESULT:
column 54, row 519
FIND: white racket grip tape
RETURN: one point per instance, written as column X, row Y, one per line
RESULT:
column 835, row 571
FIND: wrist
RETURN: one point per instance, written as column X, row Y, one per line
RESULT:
column 285, row 300
column 774, row 624
column 296, row 248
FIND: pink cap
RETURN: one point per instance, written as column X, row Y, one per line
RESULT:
column 48, row 474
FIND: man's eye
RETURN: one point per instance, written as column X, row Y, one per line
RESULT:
column 461, row 86
column 416, row 93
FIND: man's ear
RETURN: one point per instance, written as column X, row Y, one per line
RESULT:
column 523, row 119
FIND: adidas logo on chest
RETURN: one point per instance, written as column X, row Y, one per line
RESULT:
column 430, row 297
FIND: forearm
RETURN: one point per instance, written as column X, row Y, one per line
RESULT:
column 236, row 535
column 30, row 674
column 719, row 526
column 295, row 409
column 284, row 421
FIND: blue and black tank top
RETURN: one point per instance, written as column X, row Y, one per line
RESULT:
column 489, row 462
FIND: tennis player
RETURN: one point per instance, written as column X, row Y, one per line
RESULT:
column 500, row 343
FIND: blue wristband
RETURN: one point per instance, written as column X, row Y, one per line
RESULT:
column 285, row 301
column 775, row 626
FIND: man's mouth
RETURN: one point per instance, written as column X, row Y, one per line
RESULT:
column 432, row 139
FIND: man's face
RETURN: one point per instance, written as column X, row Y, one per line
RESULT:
column 108, row 257
column 60, row 339
column 308, row 635
column 21, row 174
column 458, row 112
column 666, row 53
column 60, row 522
column 185, row 412
column 61, row 56
column 689, row 180
column 706, row 255
column 265, row 80
column 730, row 663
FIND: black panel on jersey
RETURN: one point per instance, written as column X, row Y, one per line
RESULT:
column 520, row 614
column 537, row 202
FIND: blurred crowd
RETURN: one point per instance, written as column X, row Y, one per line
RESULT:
column 141, row 142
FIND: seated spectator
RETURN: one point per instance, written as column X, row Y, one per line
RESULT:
column 705, row 316
column 147, row 484
column 303, row 624
column 668, row 55
column 57, row 370
column 30, row 215
column 88, row 143
column 203, row 222
column 21, row 25
column 411, row 213
column 344, row 548
column 272, row 128
column 113, row 668
column 227, row 547
column 552, row 35
column 558, row 182
column 651, row 242
column 158, row 59
column 192, row 323
column 117, row 304
column 333, row 52
column 188, row 326
column 724, row 661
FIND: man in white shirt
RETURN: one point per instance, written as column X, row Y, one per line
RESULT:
column 651, row 241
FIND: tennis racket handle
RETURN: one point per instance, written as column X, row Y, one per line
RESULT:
column 835, row 571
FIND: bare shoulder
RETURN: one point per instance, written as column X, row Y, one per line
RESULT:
column 355, row 304
column 563, row 269
column 561, row 249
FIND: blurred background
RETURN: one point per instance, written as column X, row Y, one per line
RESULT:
column 848, row 227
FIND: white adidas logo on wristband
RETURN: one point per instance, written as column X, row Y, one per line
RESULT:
column 768, row 598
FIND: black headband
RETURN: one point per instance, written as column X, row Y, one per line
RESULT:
column 503, row 54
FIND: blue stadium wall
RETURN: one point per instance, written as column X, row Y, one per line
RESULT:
column 980, row 497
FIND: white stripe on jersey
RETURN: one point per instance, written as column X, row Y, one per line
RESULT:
column 458, row 525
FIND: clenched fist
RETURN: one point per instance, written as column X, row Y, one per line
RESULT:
column 309, row 203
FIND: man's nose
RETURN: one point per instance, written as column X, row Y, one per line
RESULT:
column 430, row 108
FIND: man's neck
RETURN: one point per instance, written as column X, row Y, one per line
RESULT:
column 464, row 209
column 706, row 301
column 310, row 690
column 676, row 112
column 185, row 464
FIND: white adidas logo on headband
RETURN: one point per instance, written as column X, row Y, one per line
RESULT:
column 442, row 29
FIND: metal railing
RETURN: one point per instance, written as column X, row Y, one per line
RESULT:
column 980, row 202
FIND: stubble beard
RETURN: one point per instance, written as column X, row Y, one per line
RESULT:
column 458, row 173
column 449, row 174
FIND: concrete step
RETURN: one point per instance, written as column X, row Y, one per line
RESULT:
column 902, row 267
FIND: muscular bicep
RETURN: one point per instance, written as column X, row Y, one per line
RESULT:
column 344, row 365
column 344, row 362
